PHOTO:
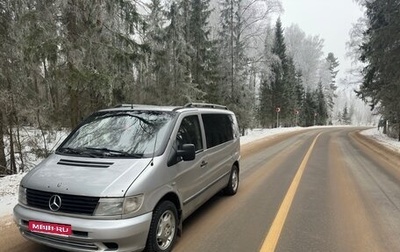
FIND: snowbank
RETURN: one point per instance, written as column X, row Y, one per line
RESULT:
column 256, row 134
column 9, row 193
column 383, row 139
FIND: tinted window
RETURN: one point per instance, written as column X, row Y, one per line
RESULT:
column 189, row 132
column 218, row 128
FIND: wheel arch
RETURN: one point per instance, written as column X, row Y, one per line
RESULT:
column 173, row 197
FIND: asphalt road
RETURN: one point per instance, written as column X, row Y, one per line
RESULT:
column 317, row 190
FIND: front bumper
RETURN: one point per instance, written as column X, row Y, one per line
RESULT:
column 87, row 234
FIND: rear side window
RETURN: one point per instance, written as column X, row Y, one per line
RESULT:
column 218, row 128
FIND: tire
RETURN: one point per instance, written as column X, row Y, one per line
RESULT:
column 233, row 183
column 163, row 228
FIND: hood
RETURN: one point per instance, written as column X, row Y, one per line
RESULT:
column 97, row 177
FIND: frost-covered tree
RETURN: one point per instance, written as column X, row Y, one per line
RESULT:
column 59, row 56
column 279, row 69
column 329, row 86
column 307, row 54
column 284, row 81
column 265, row 101
column 233, row 68
column 99, row 53
column 322, row 106
column 155, row 67
column 179, row 51
column 381, row 82
column 6, row 22
column 309, row 114
column 198, row 38
column 346, row 116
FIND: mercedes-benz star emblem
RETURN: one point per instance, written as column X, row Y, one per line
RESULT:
column 55, row 203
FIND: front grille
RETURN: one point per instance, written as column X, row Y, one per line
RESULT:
column 62, row 241
column 69, row 203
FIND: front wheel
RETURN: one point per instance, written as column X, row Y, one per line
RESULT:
column 233, row 183
column 163, row 228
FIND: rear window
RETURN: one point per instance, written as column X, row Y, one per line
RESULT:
column 218, row 128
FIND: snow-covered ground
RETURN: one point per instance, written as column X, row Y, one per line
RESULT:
column 379, row 137
column 9, row 184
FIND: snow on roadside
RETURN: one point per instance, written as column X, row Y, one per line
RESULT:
column 9, row 184
column 9, row 193
column 383, row 139
column 256, row 134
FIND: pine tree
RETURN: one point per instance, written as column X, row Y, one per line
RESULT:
column 290, row 93
column 310, row 114
column 233, row 68
column 322, row 106
column 300, row 100
column 277, row 84
column 265, row 101
column 199, row 40
column 99, row 51
column 331, row 88
column 284, row 80
column 381, row 84
column 157, row 77
column 346, row 116
column 179, row 50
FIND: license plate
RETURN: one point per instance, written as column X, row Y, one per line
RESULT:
column 50, row 228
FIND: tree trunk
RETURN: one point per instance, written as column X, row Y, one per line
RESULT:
column 385, row 128
column 13, row 166
column 74, row 107
column 3, row 161
column 19, row 146
column 42, row 132
column 72, row 37
column 398, row 128
column 11, row 117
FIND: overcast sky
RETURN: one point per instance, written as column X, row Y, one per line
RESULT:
column 330, row 19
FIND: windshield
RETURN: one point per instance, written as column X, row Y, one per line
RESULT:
column 119, row 134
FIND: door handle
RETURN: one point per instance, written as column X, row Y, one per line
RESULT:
column 203, row 163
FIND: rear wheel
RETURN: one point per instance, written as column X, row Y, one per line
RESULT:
column 233, row 183
column 163, row 228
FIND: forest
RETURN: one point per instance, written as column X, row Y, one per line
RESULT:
column 61, row 60
column 377, row 46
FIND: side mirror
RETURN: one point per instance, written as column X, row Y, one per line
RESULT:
column 188, row 152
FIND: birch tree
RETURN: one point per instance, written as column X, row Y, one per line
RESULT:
column 238, row 36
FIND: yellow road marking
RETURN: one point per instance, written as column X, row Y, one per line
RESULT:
column 273, row 235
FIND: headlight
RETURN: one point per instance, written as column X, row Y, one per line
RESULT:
column 132, row 204
column 118, row 206
column 22, row 196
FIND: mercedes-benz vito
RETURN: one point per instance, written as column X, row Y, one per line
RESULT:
column 127, row 177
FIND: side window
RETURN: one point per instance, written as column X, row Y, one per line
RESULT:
column 218, row 128
column 189, row 132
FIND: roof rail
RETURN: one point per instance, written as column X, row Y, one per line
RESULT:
column 204, row 105
column 131, row 105
column 124, row 105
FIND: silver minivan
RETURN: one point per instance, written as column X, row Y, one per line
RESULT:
column 127, row 177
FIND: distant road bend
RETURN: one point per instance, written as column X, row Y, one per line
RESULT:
column 326, row 189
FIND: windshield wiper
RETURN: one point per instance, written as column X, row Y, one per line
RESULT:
column 115, row 153
column 82, row 152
